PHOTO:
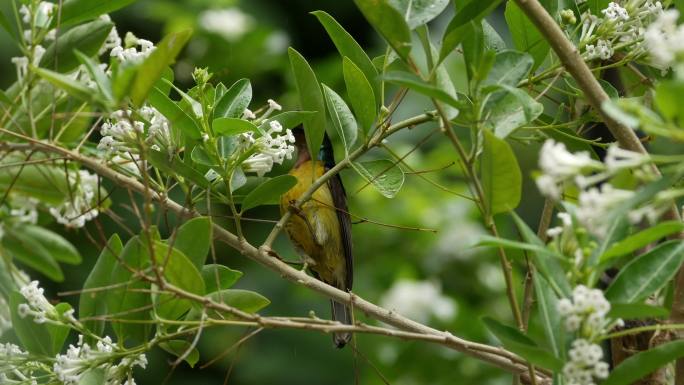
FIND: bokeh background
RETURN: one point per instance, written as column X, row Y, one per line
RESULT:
column 437, row 278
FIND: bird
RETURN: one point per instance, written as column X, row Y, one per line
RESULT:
column 320, row 230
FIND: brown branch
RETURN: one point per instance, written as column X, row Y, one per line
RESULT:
column 496, row 356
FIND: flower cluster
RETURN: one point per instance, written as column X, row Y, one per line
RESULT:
column 665, row 39
column 81, row 204
column 597, row 198
column 585, row 364
column 37, row 305
column 121, row 132
column 419, row 300
column 621, row 27
column 587, row 314
column 271, row 148
column 69, row 367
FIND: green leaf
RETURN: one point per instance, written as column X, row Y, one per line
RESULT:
column 77, row 11
column 360, row 93
column 200, row 155
column 88, row 38
column 127, row 299
column 383, row 174
column 455, row 32
column 519, row 343
column 219, row 277
column 647, row 273
column 35, row 338
column 152, row 69
column 104, row 84
column 509, row 68
column 233, row 103
column 547, row 303
column 639, row 365
column 526, row 36
column 66, row 83
column 59, row 333
column 24, row 249
column 417, row 84
column 175, row 166
column 290, row 119
column 95, row 376
column 59, row 248
column 419, row 12
column 389, row 23
column 175, row 115
column 245, row 300
column 341, row 117
column 268, row 191
column 667, row 95
column 349, row 48
column 180, row 347
column 633, row 311
column 45, row 183
column 641, row 239
column 7, row 26
column 513, row 109
column 488, row 240
column 550, row 268
column 92, row 302
column 180, row 272
column 618, row 230
column 193, row 239
column 500, row 173
column 310, row 98
column 232, row 126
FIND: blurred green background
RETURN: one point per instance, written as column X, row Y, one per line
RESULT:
column 436, row 278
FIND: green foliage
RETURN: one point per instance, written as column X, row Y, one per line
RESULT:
column 193, row 239
column 268, row 192
column 383, row 174
column 519, row 343
column 93, row 300
column 87, row 38
column 361, row 95
column 645, row 362
column 647, row 273
column 310, row 99
column 501, row 177
column 341, row 117
column 152, row 69
column 233, row 103
column 525, row 34
column 389, row 23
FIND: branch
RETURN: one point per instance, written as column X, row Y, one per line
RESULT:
column 498, row 357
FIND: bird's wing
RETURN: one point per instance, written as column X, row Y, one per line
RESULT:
column 339, row 197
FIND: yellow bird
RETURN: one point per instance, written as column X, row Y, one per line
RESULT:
column 321, row 229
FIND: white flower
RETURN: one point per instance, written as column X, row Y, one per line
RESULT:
column 664, row 39
column 419, row 300
column 585, row 312
column 81, row 204
column 23, row 210
column 618, row 158
column 229, row 23
column 272, row 148
column 37, row 305
column 132, row 54
column 275, row 106
column 602, row 50
column 585, row 363
column 248, row 114
column 559, row 165
column 596, row 205
column 21, row 63
column 615, row 12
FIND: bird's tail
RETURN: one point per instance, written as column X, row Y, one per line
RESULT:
column 341, row 313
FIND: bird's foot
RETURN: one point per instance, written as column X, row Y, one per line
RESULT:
column 268, row 250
